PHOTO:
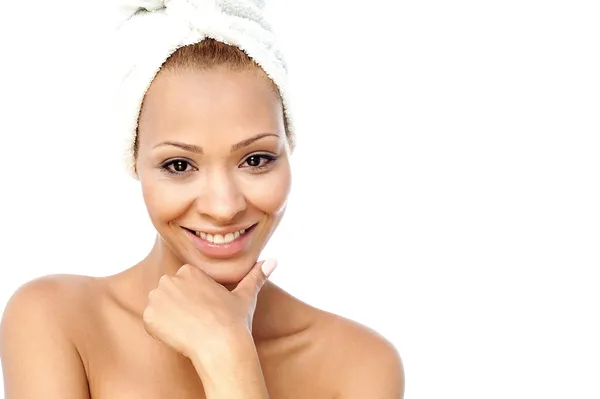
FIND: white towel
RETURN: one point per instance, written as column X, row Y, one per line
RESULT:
column 152, row 30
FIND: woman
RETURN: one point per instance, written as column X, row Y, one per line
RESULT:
column 197, row 317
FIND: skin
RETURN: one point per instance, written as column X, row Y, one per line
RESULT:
column 180, row 323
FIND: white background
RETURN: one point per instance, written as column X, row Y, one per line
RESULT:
column 446, row 181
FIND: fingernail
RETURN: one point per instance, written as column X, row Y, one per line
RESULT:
column 268, row 266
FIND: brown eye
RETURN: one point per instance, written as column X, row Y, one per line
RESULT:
column 180, row 166
column 177, row 166
column 253, row 161
column 259, row 162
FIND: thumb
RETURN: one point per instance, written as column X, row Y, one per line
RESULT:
column 256, row 278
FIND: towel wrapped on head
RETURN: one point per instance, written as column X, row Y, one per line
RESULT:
column 150, row 31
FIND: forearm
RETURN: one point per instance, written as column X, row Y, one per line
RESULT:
column 231, row 369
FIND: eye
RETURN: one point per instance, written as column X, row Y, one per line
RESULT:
column 177, row 167
column 259, row 161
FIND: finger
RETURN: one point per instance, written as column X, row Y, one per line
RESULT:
column 256, row 278
column 188, row 270
column 193, row 274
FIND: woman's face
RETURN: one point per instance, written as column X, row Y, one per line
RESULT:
column 214, row 167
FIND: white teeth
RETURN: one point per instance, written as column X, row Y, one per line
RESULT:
column 219, row 238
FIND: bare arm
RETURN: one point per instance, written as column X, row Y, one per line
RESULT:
column 38, row 358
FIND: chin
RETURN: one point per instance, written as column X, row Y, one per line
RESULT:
column 225, row 270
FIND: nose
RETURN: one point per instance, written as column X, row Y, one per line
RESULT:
column 221, row 200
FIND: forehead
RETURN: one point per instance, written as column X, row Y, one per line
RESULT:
column 216, row 101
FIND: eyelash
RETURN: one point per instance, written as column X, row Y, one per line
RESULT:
column 166, row 167
column 270, row 159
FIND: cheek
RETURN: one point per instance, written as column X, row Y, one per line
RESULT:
column 165, row 202
column 269, row 193
column 266, row 193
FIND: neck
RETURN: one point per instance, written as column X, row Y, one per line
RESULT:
column 160, row 261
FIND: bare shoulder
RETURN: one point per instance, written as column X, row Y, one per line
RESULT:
column 36, row 338
column 52, row 297
column 60, row 285
column 361, row 361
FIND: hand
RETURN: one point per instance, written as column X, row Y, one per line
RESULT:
column 189, row 310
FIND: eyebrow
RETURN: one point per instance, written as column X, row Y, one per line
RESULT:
column 198, row 150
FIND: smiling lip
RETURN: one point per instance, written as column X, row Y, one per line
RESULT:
column 221, row 249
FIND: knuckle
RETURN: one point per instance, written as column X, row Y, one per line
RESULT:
column 153, row 295
column 185, row 269
column 164, row 280
column 147, row 315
